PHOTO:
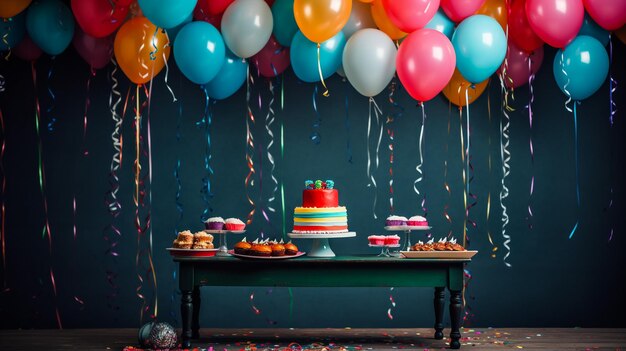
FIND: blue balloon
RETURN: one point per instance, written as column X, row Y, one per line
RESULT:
column 50, row 25
column 167, row 13
column 12, row 31
column 285, row 26
column 304, row 56
column 441, row 23
column 592, row 29
column 581, row 69
column 480, row 46
column 173, row 32
column 199, row 51
column 230, row 78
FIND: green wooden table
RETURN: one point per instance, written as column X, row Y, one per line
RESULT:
column 343, row 271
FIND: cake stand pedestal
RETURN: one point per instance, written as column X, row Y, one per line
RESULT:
column 321, row 246
column 222, row 251
column 407, row 233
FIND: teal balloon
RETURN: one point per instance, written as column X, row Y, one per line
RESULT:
column 50, row 24
column 441, row 23
column 12, row 31
column 285, row 26
column 592, row 29
column 304, row 56
column 167, row 13
column 173, row 32
column 581, row 69
column 230, row 78
column 480, row 46
column 199, row 51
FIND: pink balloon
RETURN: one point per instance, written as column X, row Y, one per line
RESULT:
column 410, row 15
column 425, row 63
column 517, row 70
column 458, row 10
column 520, row 32
column 272, row 60
column 609, row 14
column 199, row 14
column 27, row 50
column 557, row 22
column 96, row 52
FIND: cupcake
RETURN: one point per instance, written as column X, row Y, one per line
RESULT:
column 440, row 245
column 261, row 250
column 234, row 224
column 417, row 221
column 429, row 246
column 243, row 247
column 202, row 237
column 290, row 249
column 418, row 247
column 377, row 240
column 214, row 223
column 394, row 221
column 277, row 249
column 184, row 240
column 392, row 240
column 454, row 246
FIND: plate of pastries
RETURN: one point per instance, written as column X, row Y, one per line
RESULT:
column 443, row 248
column 266, row 249
column 189, row 244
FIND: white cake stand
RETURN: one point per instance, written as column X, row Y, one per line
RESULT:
column 321, row 245
column 407, row 229
column 222, row 251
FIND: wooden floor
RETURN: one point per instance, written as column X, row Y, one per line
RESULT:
column 328, row 339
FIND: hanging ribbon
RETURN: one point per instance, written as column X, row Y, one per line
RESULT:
column 577, row 169
column 392, row 303
column 613, row 109
column 390, row 135
column 5, row 38
column 470, row 167
column 249, row 181
column 346, row 108
column 282, row 159
column 418, row 168
column 147, row 219
column 505, row 156
column 315, row 137
column 167, row 72
column 2, row 194
column 531, row 78
column 179, row 205
column 370, row 175
column 51, row 118
column 205, row 122
column 269, row 120
column 494, row 248
column 319, row 70
column 446, row 186
column 92, row 73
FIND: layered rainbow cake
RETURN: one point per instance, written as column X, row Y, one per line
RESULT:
column 320, row 211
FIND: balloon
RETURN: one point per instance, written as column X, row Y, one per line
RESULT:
column 134, row 42
column 199, row 51
column 12, row 30
column 213, row 7
column 456, row 88
column 173, row 32
column 247, row 26
column 458, row 10
column 285, row 26
column 360, row 18
column 592, row 29
column 99, row 18
column 167, row 13
column 496, row 9
column 480, row 46
column 229, row 79
column 304, row 56
column 272, row 60
column 51, row 25
column 520, row 32
column 27, row 50
column 200, row 15
column 384, row 23
column 369, row 61
column 425, row 63
column 581, row 68
column 555, row 22
column 320, row 20
column 410, row 15
column 517, row 70
column 621, row 34
column 441, row 23
column 10, row 8
column 96, row 52
column 609, row 14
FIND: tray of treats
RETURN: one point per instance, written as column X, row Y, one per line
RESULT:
column 265, row 250
column 400, row 223
column 217, row 225
column 187, row 244
column 440, row 249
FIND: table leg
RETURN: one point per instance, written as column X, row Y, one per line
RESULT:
column 186, row 312
column 440, row 302
column 195, row 320
column 456, row 308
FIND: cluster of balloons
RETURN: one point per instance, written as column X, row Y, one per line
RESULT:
column 449, row 46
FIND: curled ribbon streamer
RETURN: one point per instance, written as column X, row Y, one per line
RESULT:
column 370, row 175
column 52, row 119
column 396, row 112
column 249, row 181
column 571, row 234
column 392, row 302
column 167, row 73
column 205, row 122
column 531, row 78
column 315, row 136
column 612, row 84
column 446, row 186
column 470, row 168
column 282, row 158
column 269, row 120
column 494, row 248
column 179, row 205
column 2, row 194
column 418, row 168
column 46, row 232
column 148, row 216
column 467, row 309
column 390, row 134
column 319, row 70
column 347, row 125
column 505, row 156
column 154, row 44
column 5, row 39
column 567, row 93
column 92, row 73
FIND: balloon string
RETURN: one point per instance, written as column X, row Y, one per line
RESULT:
column 3, row 193
column 154, row 45
column 282, row 158
column 418, row 168
column 505, row 156
column 347, row 125
column 92, row 74
column 392, row 303
column 46, row 232
column 446, row 186
column 494, row 248
column 567, row 93
column 5, row 39
column 315, row 136
column 370, row 175
column 206, row 192
column 52, row 119
column 326, row 93
column 470, row 167
column 249, row 181
column 269, row 120
column 531, row 78
column 148, row 221
column 179, row 205
column 577, row 169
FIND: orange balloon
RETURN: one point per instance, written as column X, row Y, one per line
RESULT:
column 497, row 10
column 621, row 34
column 366, row 1
column 384, row 23
column 10, row 8
column 455, row 90
column 134, row 43
column 320, row 20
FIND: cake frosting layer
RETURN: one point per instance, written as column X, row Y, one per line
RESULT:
column 320, row 220
column 320, row 198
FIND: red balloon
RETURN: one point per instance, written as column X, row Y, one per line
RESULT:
column 410, row 15
column 609, row 14
column 425, row 63
column 517, row 65
column 201, row 14
column 557, row 22
column 520, row 32
column 213, row 7
column 98, row 18
column 458, row 10
column 272, row 60
column 27, row 50
column 96, row 52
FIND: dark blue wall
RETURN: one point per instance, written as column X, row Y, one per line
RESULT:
column 553, row 281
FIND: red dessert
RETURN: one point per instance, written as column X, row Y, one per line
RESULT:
column 392, row 240
column 320, row 198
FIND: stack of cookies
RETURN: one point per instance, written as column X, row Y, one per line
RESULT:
column 199, row 240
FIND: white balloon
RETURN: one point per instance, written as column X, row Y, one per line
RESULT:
column 369, row 61
column 247, row 26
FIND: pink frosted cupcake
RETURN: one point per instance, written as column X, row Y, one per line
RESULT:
column 392, row 240
column 214, row 223
column 395, row 221
column 234, row 224
column 377, row 240
column 417, row 221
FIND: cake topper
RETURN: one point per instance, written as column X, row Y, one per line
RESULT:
column 319, row 184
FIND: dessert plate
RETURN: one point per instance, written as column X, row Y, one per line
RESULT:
column 192, row 252
column 439, row 254
column 232, row 252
